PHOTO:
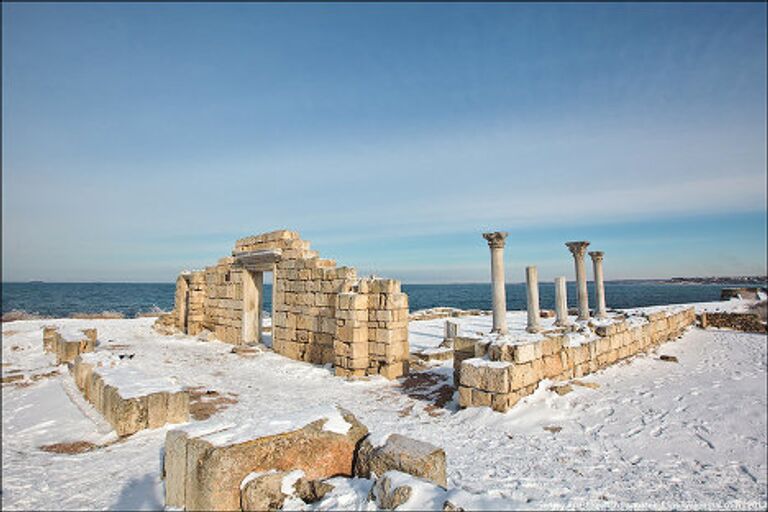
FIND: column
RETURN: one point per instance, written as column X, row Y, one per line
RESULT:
column 579, row 249
column 496, row 241
column 561, row 301
column 597, row 267
column 532, row 288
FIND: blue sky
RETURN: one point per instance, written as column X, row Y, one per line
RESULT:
column 141, row 139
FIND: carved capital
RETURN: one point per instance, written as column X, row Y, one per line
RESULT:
column 578, row 249
column 596, row 255
column 496, row 240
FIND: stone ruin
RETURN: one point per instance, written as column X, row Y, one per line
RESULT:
column 321, row 313
column 67, row 344
column 498, row 370
column 261, row 464
column 127, row 398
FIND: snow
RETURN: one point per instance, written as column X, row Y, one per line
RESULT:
column 655, row 434
column 131, row 382
column 266, row 425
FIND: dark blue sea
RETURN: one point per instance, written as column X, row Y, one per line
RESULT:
column 64, row 299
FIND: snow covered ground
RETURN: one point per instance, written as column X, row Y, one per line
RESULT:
column 654, row 434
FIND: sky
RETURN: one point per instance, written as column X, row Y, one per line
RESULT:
column 142, row 139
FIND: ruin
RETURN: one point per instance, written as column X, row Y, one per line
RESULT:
column 67, row 344
column 321, row 313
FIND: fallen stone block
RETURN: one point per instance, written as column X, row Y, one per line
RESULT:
column 203, row 468
column 400, row 453
column 395, row 489
column 263, row 491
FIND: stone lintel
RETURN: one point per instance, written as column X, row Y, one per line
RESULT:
column 258, row 261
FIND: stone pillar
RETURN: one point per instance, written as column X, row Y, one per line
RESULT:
column 597, row 266
column 579, row 249
column 561, row 302
column 532, row 288
column 496, row 242
column 451, row 329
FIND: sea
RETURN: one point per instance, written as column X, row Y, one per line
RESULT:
column 130, row 299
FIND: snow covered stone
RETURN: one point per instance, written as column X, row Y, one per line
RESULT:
column 68, row 343
column 204, row 464
column 397, row 489
column 263, row 491
column 404, row 454
column 127, row 398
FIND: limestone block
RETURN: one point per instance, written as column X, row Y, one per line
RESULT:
column 495, row 378
column 481, row 398
column 471, row 373
column 403, row 454
column 264, row 492
column 394, row 370
column 552, row 366
column 525, row 353
column 521, row 375
column 465, row 396
column 551, row 345
column 216, row 463
column 390, row 491
column 311, row 491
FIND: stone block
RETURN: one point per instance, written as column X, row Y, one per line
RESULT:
column 525, row 353
column 403, row 454
column 216, row 463
column 264, row 492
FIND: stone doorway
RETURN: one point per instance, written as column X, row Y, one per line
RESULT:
column 253, row 304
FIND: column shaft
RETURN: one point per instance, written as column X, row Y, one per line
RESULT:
column 496, row 241
column 499, row 292
column 597, row 267
column 578, row 249
column 561, row 302
column 532, row 288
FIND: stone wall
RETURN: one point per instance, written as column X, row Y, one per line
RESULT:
column 321, row 313
column 67, row 345
column 498, row 375
column 129, row 400
column 747, row 322
column 222, row 304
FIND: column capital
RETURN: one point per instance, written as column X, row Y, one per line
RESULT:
column 578, row 249
column 496, row 240
column 596, row 255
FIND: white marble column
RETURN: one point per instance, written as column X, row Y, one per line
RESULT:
column 532, row 289
column 597, row 267
column 579, row 249
column 561, row 301
column 496, row 241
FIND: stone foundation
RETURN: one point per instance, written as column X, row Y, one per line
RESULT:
column 498, row 374
column 321, row 313
column 68, row 344
column 129, row 400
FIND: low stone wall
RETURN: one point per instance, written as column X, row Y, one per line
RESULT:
column 129, row 400
column 747, row 322
column 68, row 344
column 498, row 375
